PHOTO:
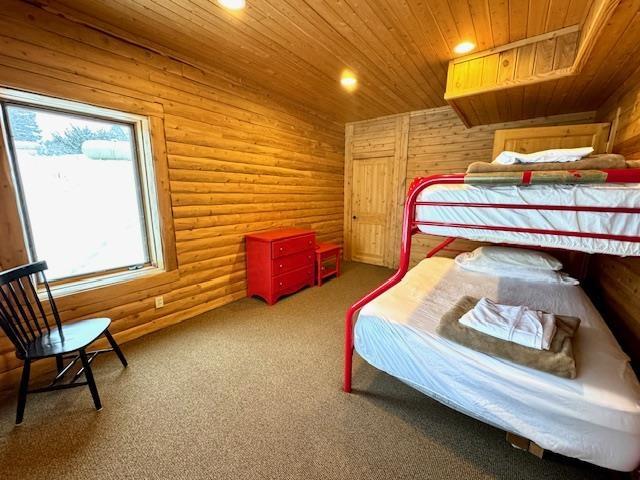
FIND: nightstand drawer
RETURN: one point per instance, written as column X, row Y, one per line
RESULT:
column 292, row 245
column 293, row 281
column 292, row 262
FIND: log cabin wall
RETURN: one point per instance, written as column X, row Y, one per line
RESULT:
column 239, row 158
column 615, row 281
column 438, row 142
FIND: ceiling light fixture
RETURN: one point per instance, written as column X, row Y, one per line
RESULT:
column 464, row 47
column 232, row 4
column 348, row 80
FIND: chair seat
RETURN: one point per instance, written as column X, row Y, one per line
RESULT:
column 74, row 336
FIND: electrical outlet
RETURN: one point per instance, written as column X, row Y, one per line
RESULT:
column 159, row 302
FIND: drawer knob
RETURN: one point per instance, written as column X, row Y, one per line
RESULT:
column 309, row 242
column 282, row 249
column 280, row 283
column 281, row 265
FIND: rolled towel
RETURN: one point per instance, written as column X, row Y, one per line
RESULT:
column 517, row 324
column 554, row 155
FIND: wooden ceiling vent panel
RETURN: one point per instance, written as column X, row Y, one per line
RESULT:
column 524, row 62
column 480, row 86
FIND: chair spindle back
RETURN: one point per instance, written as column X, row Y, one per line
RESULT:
column 23, row 317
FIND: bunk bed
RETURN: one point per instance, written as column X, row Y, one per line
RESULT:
column 594, row 417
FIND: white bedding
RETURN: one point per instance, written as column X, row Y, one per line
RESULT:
column 554, row 155
column 621, row 195
column 595, row 417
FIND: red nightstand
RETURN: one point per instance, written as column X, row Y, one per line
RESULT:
column 327, row 261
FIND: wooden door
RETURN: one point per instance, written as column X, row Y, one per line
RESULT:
column 375, row 184
column 370, row 204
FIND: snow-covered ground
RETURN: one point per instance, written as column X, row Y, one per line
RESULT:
column 84, row 214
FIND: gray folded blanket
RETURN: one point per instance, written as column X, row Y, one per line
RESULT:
column 558, row 360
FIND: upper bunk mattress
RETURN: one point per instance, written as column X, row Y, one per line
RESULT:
column 594, row 417
column 610, row 195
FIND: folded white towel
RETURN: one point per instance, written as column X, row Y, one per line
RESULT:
column 554, row 155
column 518, row 324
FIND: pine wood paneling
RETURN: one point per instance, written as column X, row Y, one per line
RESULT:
column 298, row 48
column 603, row 66
column 529, row 140
column 494, row 74
column 615, row 281
column 524, row 62
column 239, row 160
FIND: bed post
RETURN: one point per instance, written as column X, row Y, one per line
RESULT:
column 408, row 229
column 405, row 250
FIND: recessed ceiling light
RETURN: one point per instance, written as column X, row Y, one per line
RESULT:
column 232, row 4
column 348, row 80
column 464, row 47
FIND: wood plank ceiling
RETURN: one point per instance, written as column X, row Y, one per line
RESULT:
column 298, row 48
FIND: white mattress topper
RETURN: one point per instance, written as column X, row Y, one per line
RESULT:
column 611, row 195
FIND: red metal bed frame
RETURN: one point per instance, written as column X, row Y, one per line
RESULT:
column 410, row 224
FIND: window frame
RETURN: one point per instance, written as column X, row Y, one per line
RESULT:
column 147, row 183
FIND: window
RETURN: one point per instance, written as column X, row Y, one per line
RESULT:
column 84, row 182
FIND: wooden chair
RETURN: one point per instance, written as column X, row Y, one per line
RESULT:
column 24, row 319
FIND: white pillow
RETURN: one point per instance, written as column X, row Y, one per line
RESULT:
column 554, row 155
column 529, row 275
column 508, row 257
column 517, row 263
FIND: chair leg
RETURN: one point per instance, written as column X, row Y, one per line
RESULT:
column 116, row 348
column 22, row 393
column 88, row 373
column 59, row 363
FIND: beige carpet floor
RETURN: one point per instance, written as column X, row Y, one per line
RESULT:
column 253, row 392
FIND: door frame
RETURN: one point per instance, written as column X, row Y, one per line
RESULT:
column 393, row 228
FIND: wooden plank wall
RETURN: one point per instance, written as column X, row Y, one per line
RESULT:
column 438, row 142
column 615, row 281
column 240, row 159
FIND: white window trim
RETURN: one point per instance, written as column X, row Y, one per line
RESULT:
column 145, row 164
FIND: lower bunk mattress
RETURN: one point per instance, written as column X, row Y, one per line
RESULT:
column 594, row 417
column 609, row 195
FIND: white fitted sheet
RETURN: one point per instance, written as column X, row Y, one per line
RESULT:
column 612, row 195
column 595, row 417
